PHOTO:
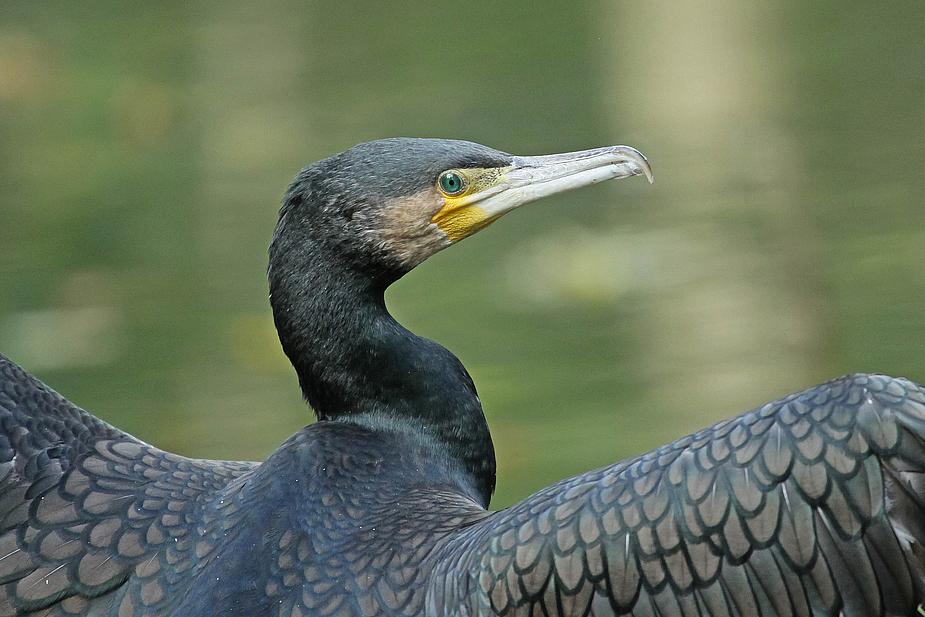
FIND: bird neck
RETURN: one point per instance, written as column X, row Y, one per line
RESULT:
column 356, row 364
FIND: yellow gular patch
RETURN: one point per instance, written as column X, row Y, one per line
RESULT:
column 461, row 221
column 460, row 218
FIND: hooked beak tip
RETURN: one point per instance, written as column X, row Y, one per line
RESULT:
column 640, row 161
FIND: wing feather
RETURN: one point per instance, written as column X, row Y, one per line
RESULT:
column 90, row 517
column 812, row 504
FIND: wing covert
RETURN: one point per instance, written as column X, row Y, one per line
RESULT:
column 809, row 505
column 92, row 520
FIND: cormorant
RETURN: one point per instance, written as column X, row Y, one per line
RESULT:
column 811, row 505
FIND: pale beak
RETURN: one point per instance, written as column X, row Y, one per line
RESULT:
column 534, row 177
column 529, row 178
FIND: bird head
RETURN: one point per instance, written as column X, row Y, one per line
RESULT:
column 402, row 200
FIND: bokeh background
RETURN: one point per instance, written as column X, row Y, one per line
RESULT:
column 144, row 149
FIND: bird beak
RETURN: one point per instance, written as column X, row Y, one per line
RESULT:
column 533, row 177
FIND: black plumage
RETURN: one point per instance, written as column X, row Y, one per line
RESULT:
column 812, row 505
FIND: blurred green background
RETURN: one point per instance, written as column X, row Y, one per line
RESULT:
column 144, row 149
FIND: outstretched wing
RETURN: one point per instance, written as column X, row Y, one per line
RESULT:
column 92, row 520
column 812, row 505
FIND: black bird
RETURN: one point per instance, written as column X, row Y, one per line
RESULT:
column 812, row 505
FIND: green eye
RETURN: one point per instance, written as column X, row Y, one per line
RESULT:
column 451, row 183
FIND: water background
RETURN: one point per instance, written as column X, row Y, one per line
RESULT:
column 144, row 149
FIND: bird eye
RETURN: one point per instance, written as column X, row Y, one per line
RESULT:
column 451, row 183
